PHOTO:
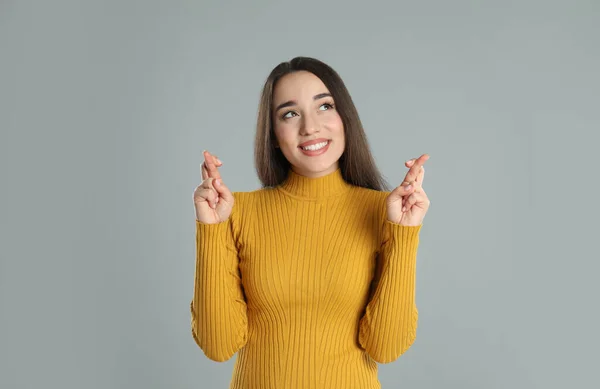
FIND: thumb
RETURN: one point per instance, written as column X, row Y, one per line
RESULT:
column 223, row 190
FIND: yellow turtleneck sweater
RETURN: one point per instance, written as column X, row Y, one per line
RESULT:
column 310, row 284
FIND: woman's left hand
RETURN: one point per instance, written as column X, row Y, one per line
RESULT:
column 408, row 205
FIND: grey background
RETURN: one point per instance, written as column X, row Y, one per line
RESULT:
column 106, row 106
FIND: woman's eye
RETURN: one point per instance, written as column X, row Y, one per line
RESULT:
column 289, row 115
column 327, row 106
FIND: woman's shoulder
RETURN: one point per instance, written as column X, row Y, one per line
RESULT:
column 251, row 194
column 372, row 199
column 248, row 203
column 246, row 199
column 371, row 194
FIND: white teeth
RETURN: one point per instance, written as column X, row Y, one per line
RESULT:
column 315, row 147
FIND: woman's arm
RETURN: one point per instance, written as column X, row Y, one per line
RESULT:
column 218, row 309
column 388, row 327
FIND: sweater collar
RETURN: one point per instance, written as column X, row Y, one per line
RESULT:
column 314, row 188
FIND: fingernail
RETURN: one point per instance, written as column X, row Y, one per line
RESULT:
column 408, row 187
column 217, row 182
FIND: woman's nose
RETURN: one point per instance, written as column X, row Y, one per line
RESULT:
column 309, row 125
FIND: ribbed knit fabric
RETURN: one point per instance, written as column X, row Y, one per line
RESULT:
column 310, row 284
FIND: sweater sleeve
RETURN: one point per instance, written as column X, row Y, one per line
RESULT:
column 218, row 308
column 388, row 327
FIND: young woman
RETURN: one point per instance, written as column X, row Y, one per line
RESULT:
column 311, row 279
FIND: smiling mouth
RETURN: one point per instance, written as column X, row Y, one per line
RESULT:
column 315, row 147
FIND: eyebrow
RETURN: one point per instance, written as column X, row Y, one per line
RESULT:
column 292, row 102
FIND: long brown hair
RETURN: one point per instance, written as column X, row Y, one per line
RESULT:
column 356, row 163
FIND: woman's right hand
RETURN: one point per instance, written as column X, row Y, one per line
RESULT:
column 212, row 199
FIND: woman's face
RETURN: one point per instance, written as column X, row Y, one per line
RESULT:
column 307, row 126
